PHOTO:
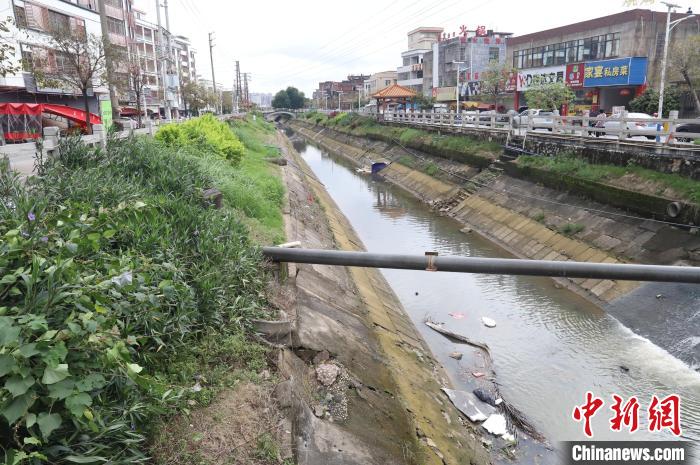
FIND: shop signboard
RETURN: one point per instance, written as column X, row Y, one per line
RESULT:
column 532, row 77
column 574, row 75
column 470, row 89
column 616, row 72
column 446, row 94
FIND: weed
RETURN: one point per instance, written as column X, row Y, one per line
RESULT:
column 267, row 448
column 571, row 229
column 432, row 169
column 406, row 160
column 539, row 217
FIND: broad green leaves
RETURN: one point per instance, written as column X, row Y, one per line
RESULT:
column 18, row 385
column 55, row 374
column 48, row 423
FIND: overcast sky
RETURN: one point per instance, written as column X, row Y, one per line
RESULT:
column 300, row 43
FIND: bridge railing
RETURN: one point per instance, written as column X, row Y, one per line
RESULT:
column 619, row 128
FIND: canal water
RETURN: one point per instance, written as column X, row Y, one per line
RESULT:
column 549, row 346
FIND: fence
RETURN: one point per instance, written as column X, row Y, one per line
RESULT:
column 620, row 128
column 21, row 156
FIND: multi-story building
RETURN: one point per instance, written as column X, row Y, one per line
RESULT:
column 35, row 21
column 377, row 82
column 468, row 53
column 185, row 67
column 607, row 61
column 420, row 42
column 340, row 95
column 146, row 44
column 262, row 100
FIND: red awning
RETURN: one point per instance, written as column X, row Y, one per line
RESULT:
column 73, row 114
column 20, row 109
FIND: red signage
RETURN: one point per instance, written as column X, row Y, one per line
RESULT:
column 574, row 75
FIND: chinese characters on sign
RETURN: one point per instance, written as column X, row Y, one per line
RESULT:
column 662, row 413
column 574, row 75
column 535, row 77
column 617, row 72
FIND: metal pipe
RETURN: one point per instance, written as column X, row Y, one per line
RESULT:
column 562, row 269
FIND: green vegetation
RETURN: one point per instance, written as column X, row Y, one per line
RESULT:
column 572, row 228
column 539, row 217
column 550, row 96
column 122, row 287
column 432, row 169
column 289, row 98
column 648, row 101
column 458, row 148
column 577, row 167
column 407, row 160
column 206, row 133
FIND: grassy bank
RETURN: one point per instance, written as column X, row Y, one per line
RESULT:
column 630, row 177
column 126, row 297
column 458, row 148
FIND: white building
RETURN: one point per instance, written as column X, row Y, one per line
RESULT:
column 35, row 21
column 420, row 41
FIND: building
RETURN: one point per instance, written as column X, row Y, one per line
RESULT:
column 420, row 42
column 262, row 100
column 377, row 82
column 35, row 21
column 184, row 59
column 342, row 95
column 468, row 52
column 607, row 61
column 145, row 44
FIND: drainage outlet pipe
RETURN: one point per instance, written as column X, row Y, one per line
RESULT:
column 432, row 262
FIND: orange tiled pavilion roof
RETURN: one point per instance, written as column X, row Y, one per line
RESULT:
column 395, row 91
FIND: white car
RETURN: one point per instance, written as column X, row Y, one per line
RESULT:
column 642, row 128
column 541, row 119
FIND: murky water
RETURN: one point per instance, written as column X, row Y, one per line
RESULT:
column 549, row 346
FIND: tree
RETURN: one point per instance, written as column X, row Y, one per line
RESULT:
column 425, row 103
column 83, row 65
column 685, row 60
column 281, row 100
column 495, row 79
column 7, row 49
column 197, row 97
column 549, row 96
column 648, row 102
column 289, row 98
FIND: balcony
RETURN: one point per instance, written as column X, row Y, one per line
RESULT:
column 411, row 82
column 114, row 12
column 117, row 39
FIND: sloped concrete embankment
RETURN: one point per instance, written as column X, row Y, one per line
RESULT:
column 527, row 219
column 385, row 405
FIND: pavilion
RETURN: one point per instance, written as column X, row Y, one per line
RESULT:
column 393, row 93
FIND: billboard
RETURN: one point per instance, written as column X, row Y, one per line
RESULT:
column 574, row 75
column 533, row 77
column 616, row 72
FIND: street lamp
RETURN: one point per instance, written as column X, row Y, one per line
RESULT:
column 340, row 92
column 669, row 27
column 459, row 70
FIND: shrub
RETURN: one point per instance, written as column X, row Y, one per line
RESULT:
column 432, row 169
column 572, row 228
column 205, row 132
column 110, row 270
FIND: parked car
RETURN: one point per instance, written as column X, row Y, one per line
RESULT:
column 541, row 119
column 648, row 130
column 688, row 127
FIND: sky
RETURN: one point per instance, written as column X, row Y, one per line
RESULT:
column 299, row 43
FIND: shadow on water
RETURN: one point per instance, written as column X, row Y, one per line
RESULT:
column 549, row 347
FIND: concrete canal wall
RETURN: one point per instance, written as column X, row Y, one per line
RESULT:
column 528, row 217
column 388, row 408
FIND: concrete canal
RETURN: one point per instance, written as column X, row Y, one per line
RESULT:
column 549, row 345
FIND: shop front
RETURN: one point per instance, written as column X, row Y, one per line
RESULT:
column 612, row 83
column 534, row 77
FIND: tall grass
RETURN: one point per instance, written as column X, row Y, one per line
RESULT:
column 119, row 285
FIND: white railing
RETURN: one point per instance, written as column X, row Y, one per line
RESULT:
column 623, row 128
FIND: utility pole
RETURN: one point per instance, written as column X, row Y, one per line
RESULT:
column 669, row 27
column 211, row 58
column 239, row 85
column 162, row 59
column 246, row 97
column 170, row 58
column 108, row 58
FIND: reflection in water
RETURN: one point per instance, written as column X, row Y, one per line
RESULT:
column 549, row 347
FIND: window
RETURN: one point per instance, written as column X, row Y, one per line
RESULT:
column 27, row 60
column 612, row 45
column 387, row 82
column 560, row 54
column 63, row 63
column 114, row 3
column 20, row 17
column 536, row 59
column 494, row 53
column 116, row 26
column 573, row 51
column 548, row 56
column 59, row 23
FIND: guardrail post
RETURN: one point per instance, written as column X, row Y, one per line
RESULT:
column 672, row 117
column 51, row 135
column 622, row 135
column 530, row 115
column 99, row 131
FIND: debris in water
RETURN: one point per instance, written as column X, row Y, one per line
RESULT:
column 456, row 315
column 416, row 292
column 484, row 396
column 477, row 374
column 659, row 296
column 624, row 368
column 440, row 329
column 495, row 424
column 469, row 405
column 508, row 437
column 488, row 322
column 456, row 355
